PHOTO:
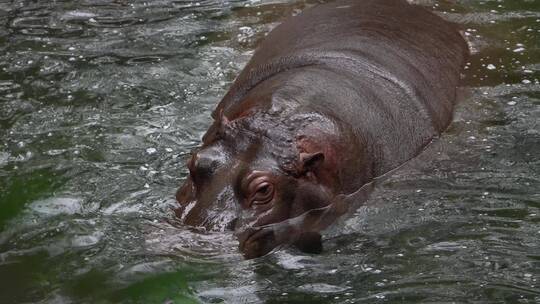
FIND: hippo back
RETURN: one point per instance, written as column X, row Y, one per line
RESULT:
column 385, row 68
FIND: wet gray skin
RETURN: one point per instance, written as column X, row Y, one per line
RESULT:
column 102, row 102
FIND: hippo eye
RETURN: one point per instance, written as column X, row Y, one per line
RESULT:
column 264, row 193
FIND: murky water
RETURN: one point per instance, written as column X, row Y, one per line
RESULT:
column 101, row 101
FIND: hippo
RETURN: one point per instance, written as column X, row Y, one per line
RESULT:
column 332, row 99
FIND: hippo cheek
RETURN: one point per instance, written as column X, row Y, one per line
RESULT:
column 255, row 243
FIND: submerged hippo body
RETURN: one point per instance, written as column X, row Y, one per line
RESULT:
column 332, row 98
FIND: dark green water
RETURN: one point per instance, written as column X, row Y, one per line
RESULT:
column 101, row 101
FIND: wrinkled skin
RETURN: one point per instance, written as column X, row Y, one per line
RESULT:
column 317, row 114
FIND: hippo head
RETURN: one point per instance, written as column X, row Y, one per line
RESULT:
column 258, row 177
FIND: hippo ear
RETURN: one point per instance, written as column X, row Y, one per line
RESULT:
column 310, row 162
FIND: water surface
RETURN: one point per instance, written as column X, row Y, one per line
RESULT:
column 101, row 101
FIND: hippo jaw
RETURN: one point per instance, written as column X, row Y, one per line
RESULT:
column 256, row 243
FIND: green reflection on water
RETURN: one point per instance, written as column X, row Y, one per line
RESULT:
column 171, row 287
column 26, row 278
column 17, row 190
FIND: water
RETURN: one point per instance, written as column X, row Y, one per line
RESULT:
column 101, row 101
